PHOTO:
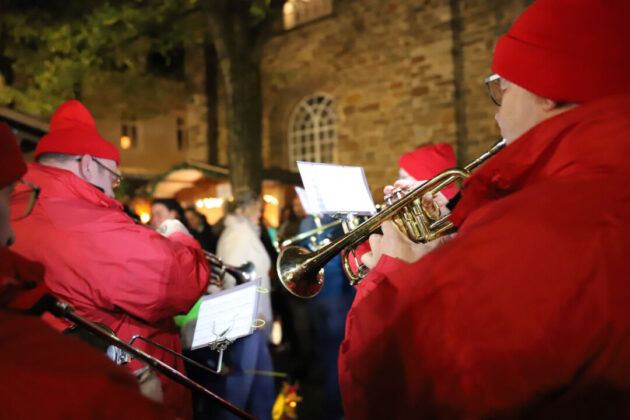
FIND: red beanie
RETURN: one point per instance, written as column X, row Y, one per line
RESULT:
column 427, row 161
column 12, row 165
column 568, row 50
column 73, row 132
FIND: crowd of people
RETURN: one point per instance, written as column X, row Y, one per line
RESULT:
column 521, row 314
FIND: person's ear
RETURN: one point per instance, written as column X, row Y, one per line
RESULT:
column 548, row 105
column 85, row 166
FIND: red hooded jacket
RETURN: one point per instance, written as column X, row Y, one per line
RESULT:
column 111, row 270
column 523, row 313
column 48, row 375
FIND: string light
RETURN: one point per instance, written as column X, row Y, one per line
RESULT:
column 270, row 199
column 209, row 203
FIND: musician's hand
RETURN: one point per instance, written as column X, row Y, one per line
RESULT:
column 403, row 184
column 432, row 203
column 395, row 244
column 427, row 201
column 171, row 226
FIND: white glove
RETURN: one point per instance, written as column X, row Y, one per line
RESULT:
column 171, row 226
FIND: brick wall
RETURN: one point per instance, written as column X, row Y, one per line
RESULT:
column 404, row 73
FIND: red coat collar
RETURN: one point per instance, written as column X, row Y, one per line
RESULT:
column 60, row 183
column 588, row 135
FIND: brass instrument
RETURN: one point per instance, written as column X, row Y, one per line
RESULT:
column 218, row 269
column 301, row 272
column 63, row 310
column 316, row 243
column 309, row 234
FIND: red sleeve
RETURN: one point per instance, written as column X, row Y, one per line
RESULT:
column 484, row 325
column 141, row 272
column 53, row 376
column 184, row 239
column 386, row 265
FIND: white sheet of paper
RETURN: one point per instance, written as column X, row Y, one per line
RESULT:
column 235, row 308
column 306, row 204
column 336, row 188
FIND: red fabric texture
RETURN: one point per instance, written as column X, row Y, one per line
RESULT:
column 22, row 286
column 582, row 45
column 427, row 161
column 47, row 375
column 111, row 270
column 525, row 311
column 73, row 132
column 11, row 160
column 21, row 280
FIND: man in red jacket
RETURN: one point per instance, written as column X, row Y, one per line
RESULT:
column 524, row 313
column 111, row 270
column 45, row 374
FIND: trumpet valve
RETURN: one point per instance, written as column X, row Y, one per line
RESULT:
column 398, row 193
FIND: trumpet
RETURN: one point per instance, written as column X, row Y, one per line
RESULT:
column 218, row 270
column 316, row 243
column 309, row 234
column 61, row 309
column 301, row 272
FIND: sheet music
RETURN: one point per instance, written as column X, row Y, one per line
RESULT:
column 309, row 208
column 234, row 310
column 336, row 188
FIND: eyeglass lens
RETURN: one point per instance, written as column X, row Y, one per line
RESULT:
column 494, row 90
column 117, row 180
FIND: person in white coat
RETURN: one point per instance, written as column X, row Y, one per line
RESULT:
column 239, row 243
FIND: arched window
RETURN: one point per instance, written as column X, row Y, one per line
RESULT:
column 313, row 130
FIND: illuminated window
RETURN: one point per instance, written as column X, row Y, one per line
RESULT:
column 128, row 132
column 313, row 130
column 181, row 134
column 299, row 12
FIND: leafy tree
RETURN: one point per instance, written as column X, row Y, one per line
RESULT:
column 54, row 50
column 62, row 50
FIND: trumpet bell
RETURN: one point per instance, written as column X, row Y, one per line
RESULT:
column 301, row 271
column 297, row 276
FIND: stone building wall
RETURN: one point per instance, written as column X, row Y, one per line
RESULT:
column 484, row 21
column 156, row 150
column 404, row 73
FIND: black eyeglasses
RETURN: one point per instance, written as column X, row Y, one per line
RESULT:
column 23, row 201
column 118, row 176
column 493, row 83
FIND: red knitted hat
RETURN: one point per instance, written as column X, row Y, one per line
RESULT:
column 73, row 132
column 12, row 165
column 568, row 50
column 427, row 161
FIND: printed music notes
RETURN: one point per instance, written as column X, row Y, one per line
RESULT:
column 229, row 314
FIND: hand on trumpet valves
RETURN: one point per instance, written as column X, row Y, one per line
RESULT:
column 430, row 202
column 397, row 245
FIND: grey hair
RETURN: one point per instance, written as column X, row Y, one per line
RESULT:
column 241, row 199
column 57, row 157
